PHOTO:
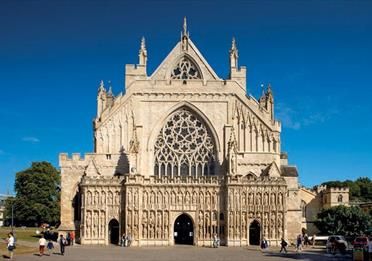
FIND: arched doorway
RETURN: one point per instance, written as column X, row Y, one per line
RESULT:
column 114, row 231
column 254, row 233
column 183, row 230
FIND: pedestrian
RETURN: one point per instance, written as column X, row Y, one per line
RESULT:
column 11, row 245
column 123, row 240
column 42, row 243
column 62, row 243
column 306, row 240
column 284, row 245
column 264, row 244
column 313, row 239
column 129, row 240
column 68, row 238
column 72, row 236
column 299, row 243
column 50, row 246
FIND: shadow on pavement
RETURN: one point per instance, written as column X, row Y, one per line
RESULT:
column 307, row 256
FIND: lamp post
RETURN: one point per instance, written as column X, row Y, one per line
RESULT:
column 12, row 216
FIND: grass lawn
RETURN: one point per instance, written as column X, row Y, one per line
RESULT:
column 18, row 251
column 24, row 234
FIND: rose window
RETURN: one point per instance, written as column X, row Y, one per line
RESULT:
column 185, row 70
column 184, row 147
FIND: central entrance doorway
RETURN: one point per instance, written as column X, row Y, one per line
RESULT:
column 254, row 233
column 114, row 231
column 183, row 230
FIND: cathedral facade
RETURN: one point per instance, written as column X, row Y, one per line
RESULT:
column 183, row 155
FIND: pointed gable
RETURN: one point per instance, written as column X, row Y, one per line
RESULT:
column 194, row 60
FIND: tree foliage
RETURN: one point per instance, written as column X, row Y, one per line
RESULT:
column 37, row 195
column 360, row 189
column 342, row 220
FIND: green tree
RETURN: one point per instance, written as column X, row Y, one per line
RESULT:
column 37, row 195
column 360, row 189
column 342, row 220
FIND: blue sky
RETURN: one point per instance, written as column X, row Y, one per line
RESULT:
column 316, row 54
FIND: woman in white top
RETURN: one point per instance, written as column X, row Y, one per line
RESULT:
column 10, row 245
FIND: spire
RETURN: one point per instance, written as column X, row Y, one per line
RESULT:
column 184, row 26
column 233, row 54
column 109, row 93
column 142, row 53
column 185, row 36
column 101, row 86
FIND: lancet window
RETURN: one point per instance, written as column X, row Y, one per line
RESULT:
column 184, row 147
column 185, row 69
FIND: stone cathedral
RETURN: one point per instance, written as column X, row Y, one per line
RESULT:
column 181, row 156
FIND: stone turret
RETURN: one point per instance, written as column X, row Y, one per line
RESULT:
column 101, row 99
column 237, row 73
column 267, row 101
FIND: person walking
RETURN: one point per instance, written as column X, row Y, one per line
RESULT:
column 62, row 243
column 42, row 243
column 72, row 236
column 11, row 245
column 284, row 244
column 50, row 246
column 299, row 243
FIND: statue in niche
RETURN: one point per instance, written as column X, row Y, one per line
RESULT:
column 159, row 198
column 201, row 221
column 232, row 162
column 280, row 198
column 103, row 198
column 102, row 222
column 280, row 225
column 266, row 199
column 152, row 224
column 173, row 198
column 144, row 225
column 166, row 232
column 129, row 218
column 244, row 224
column 244, row 200
column 95, row 224
column 89, row 198
column 135, row 197
column 166, row 196
column 110, row 197
column 136, row 217
column 187, row 198
column 117, row 196
column 96, row 198
column 273, row 199
column 89, row 224
column 250, row 198
column 145, row 198
column 158, row 220
column 179, row 198
column 194, row 196
column 201, row 198
column 258, row 197
column 152, row 197
column 135, row 231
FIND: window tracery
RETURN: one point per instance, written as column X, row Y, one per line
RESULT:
column 185, row 69
column 184, row 147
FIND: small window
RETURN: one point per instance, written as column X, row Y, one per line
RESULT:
column 339, row 198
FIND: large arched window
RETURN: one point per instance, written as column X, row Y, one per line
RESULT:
column 184, row 147
column 303, row 208
column 185, row 69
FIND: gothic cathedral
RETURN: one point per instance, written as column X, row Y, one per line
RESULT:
column 181, row 156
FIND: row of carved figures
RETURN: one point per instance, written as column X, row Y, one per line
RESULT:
column 95, row 225
column 101, row 198
column 272, row 224
column 242, row 199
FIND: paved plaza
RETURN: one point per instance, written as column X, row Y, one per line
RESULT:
column 179, row 253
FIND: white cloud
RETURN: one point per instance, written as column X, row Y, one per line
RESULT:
column 297, row 118
column 31, row 139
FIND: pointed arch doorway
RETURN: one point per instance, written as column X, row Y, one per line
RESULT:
column 254, row 233
column 183, row 230
column 114, row 232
